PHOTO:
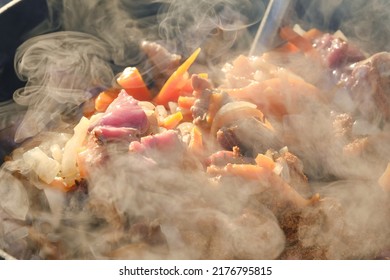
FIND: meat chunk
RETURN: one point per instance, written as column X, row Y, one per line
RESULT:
column 161, row 63
column 227, row 138
column 221, row 158
column 123, row 119
column 295, row 175
column 165, row 61
column 166, row 141
column 342, row 125
column 250, row 135
column 369, row 86
column 336, row 52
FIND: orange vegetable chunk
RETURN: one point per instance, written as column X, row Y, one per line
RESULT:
column 132, row 82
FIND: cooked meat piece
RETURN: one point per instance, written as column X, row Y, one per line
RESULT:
column 356, row 147
column 208, row 102
column 161, row 64
column 104, row 134
column 342, row 126
column 165, row 62
column 199, row 84
column 227, row 138
column 336, row 52
column 369, row 86
column 77, row 196
column 123, row 112
column 149, row 233
column 206, row 106
column 201, row 107
column 253, row 137
column 296, row 178
column 164, row 142
column 221, row 158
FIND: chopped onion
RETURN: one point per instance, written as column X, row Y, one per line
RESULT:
column 56, row 152
column 45, row 167
column 161, row 112
column 298, row 29
column 172, row 107
column 14, row 199
column 146, row 105
column 68, row 164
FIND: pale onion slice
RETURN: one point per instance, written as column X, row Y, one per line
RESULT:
column 71, row 149
column 233, row 111
column 45, row 167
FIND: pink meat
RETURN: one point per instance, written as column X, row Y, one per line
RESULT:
column 337, row 52
column 166, row 141
column 104, row 133
column 124, row 111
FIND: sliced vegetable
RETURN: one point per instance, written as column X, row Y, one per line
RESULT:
column 105, row 98
column 186, row 102
column 196, row 142
column 288, row 34
column 132, row 82
column 265, row 162
column 176, row 82
column 171, row 121
column 59, row 184
column 44, row 166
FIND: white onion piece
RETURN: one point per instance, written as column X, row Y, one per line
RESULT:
column 161, row 112
column 233, row 111
column 185, row 127
column 69, row 157
column 172, row 107
column 45, row 167
column 341, row 35
column 146, row 105
column 56, row 199
column 298, row 29
column 56, row 152
column 14, row 199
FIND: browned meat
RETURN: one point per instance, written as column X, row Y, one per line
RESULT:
column 200, row 84
column 369, row 86
column 163, row 63
column 297, row 179
column 250, row 135
column 149, row 233
column 227, row 138
column 342, row 126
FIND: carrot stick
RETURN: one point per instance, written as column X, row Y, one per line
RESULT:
column 173, row 86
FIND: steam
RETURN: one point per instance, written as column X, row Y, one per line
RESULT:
column 166, row 196
column 59, row 69
column 365, row 23
column 218, row 26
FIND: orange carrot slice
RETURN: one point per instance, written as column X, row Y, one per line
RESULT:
column 132, row 82
column 172, row 120
column 105, row 98
column 176, row 82
column 186, row 102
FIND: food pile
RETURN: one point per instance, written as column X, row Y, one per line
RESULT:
column 285, row 158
